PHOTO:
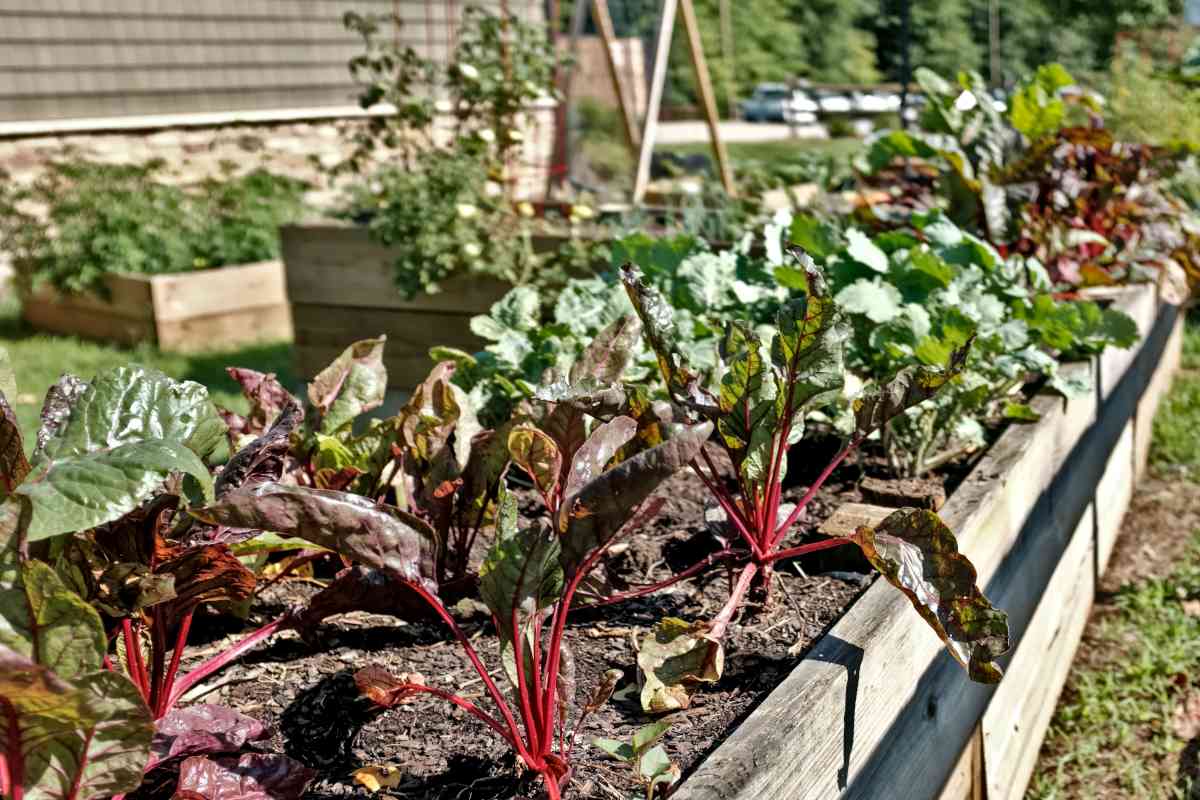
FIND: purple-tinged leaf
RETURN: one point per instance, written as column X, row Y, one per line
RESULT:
column 379, row 536
column 353, row 384
column 807, row 348
column 267, row 399
column 918, row 554
column 537, row 454
column 14, row 466
column 360, row 588
column 595, row 454
column 202, row 729
column 910, row 386
column 251, row 776
column 263, row 459
column 385, row 689
column 659, row 331
column 611, row 352
column 598, row 511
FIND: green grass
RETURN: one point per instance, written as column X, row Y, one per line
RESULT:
column 1112, row 737
column 1176, row 444
column 776, row 150
column 38, row 360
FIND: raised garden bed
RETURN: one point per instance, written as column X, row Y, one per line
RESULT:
column 876, row 708
column 208, row 309
column 340, row 288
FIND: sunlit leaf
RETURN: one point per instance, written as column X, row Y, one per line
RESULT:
column 672, row 660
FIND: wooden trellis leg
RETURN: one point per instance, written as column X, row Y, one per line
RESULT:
column 662, row 51
column 604, row 23
column 707, row 98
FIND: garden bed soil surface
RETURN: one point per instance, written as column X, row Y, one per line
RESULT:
column 443, row 753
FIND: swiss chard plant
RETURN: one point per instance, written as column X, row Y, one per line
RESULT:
column 98, row 586
column 914, row 296
column 759, row 415
column 530, row 576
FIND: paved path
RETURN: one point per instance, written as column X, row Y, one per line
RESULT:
column 692, row 131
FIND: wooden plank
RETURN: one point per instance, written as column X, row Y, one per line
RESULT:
column 604, row 25
column 966, row 781
column 1113, row 495
column 877, row 709
column 227, row 330
column 662, row 52
column 216, row 291
column 322, row 332
column 1141, row 303
column 707, row 100
column 847, row 517
column 126, row 296
column 87, row 323
column 340, row 265
column 1019, row 713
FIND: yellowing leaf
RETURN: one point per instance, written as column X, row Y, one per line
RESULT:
column 672, row 660
column 377, row 776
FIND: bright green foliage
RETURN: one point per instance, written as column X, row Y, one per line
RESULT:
column 652, row 767
column 81, row 731
column 942, row 286
column 103, row 219
column 111, row 446
column 1037, row 109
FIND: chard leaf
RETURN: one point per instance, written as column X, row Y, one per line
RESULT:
column 521, row 572
column 250, row 776
column 622, row 751
column 76, row 740
column 537, row 454
column 41, row 619
column 1021, row 412
column 263, row 459
column 353, row 384
column 657, row 769
column 590, row 519
column 380, row 536
column 610, row 353
column 595, row 453
column 74, row 491
column 672, row 659
column 200, row 729
column 917, row 553
column 658, row 328
column 807, row 349
column 125, row 406
column 747, row 401
column 910, row 386
column 359, row 588
column 267, row 399
column 13, row 464
column 56, row 410
column 437, row 411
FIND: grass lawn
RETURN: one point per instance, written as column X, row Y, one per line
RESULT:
column 1128, row 722
column 782, row 149
column 38, row 360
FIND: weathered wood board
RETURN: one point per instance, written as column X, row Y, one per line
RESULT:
column 340, row 285
column 877, row 709
column 185, row 312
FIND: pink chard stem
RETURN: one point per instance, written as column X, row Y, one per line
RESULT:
column 221, row 660
column 782, row 530
column 721, row 621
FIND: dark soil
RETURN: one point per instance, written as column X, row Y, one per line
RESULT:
column 443, row 753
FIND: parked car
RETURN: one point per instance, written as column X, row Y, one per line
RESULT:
column 777, row 102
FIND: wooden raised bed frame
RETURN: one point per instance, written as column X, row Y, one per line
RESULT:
column 340, row 287
column 188, row 312
column 877, row 709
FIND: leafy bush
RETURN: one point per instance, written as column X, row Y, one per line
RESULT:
column 81, row 221
column 913, row 298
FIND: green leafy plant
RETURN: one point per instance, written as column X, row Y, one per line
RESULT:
column 81, row 221
column 913, row 297
column 529, row 578
column 651, row 765
column 90, row 554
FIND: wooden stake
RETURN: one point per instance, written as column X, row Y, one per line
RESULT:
column 662, row 51
column 604, row 23
column 562, row 135
column 704, row 83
